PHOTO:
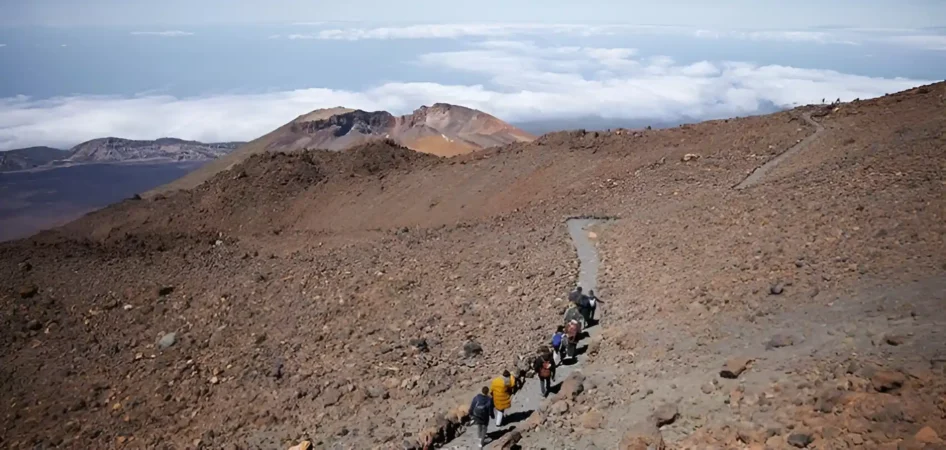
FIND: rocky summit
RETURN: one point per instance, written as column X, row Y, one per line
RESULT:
column 359, row 299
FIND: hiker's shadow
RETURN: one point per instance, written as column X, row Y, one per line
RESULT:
column 511, row 419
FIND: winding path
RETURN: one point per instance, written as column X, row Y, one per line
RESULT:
column 527, row 401
column 760, row 172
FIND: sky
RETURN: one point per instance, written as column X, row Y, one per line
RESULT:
column 218, row 70
column 726, row 13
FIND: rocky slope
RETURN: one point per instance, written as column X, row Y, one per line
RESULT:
column 357, row 298
column 441, row 129
column 113, row 150
column 29, row 158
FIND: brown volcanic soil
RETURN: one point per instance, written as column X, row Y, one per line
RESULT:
column 299, row 282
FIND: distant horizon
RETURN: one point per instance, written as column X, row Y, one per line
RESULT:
column 234, row 81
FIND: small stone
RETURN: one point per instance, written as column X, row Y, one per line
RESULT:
column 708, row 388
column 666, row 414
column 779, row 341
column 167, row 341
column 378, row 392
column 894, row 339
column 472, row 348
column 927, row 435
column 887, row 380
column 777, row 289
column 331, row 397
column 214, row 380
column 734, row 367
column 420, row 344
column 799, row 440
column 857, row 439
column 34, row 325
column 28, row 291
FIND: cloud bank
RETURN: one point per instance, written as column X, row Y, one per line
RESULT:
column 521, row 81
column 169, row 33
column 841, row 36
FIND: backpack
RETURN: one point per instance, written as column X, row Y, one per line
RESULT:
column 557, row 340
column 481, row 409
column 546, row 370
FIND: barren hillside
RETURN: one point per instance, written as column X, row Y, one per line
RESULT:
column 337, row 296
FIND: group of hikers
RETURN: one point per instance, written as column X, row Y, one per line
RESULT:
column 495, row 399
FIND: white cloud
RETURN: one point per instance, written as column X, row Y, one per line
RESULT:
column 813, row 37
column 924, row 42
column 521, row 81
column 456, row 30
column 492, row 31
column 3, row 45
column 169, row 33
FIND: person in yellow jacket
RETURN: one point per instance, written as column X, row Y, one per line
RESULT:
column 501, row 388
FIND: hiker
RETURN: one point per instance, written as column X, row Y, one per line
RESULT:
column 572, row 332
column 544, row 366
column 520, row 381
column 587, row 306
column 574, row 313
column 481, row 410
column 558, row 339
column 501, row 388
column 575, row 296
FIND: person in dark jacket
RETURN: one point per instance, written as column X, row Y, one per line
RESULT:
column 481, row 410
column 544, row 367
column 575, row 296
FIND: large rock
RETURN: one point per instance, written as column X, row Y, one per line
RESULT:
column 642, row 436
column 560, row 407
column 734, row 367
column 665, row 414
column 572, row 387
column 535, row 420
column 509, row 441
column 927, row 435
column 800, row 440
column 887, row 380
column 593, row 420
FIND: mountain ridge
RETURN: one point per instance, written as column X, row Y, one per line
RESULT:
column 114, row 150
column 441, row 129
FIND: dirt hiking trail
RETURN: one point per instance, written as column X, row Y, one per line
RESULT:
column 758, row 174
column 527, row 401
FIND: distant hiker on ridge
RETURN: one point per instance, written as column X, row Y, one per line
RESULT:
column 501, row 388
column 481, row 410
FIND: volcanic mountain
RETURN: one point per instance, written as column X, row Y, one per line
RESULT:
column 28, row 158
column 111, row 149
column 441, row 129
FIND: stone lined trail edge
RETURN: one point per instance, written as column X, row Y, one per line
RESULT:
column 760, row 172
column 527, row 401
